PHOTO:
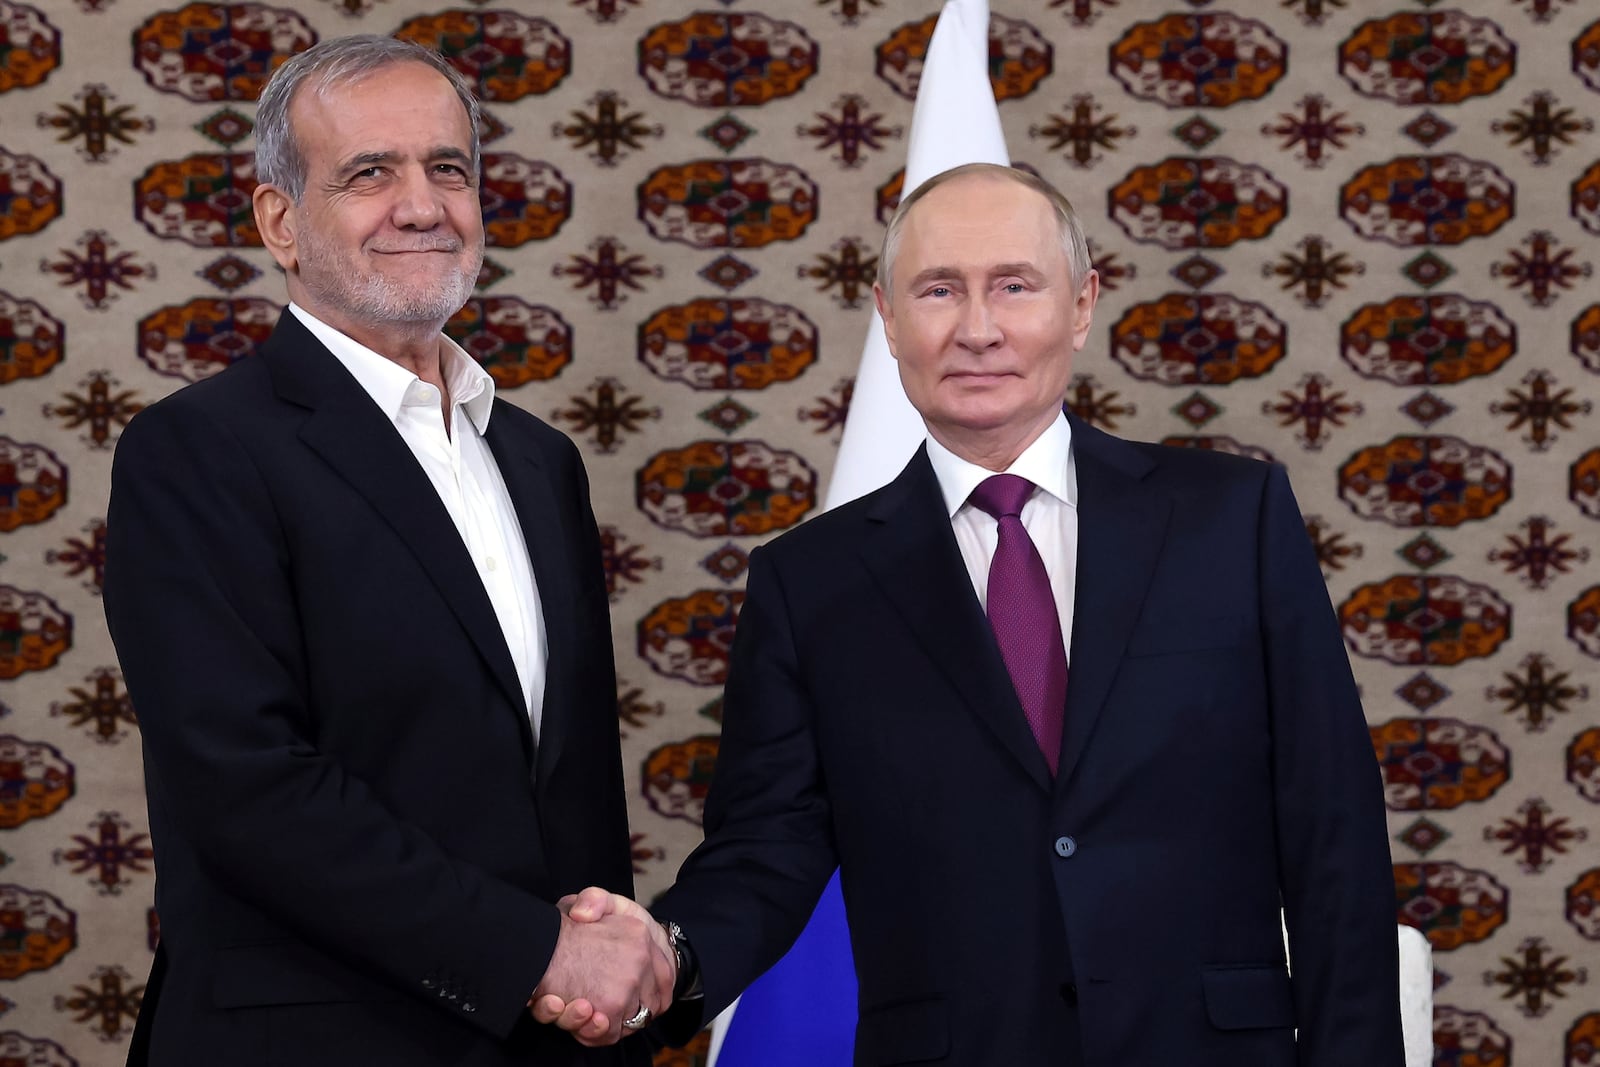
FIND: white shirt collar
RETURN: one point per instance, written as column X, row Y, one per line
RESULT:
column 389, row 384
column 1045, row 463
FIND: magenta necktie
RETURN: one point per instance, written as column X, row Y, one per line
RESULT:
column 1022, row 613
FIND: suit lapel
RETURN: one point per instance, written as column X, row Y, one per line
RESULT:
column 353, row 437
column 533, row 497
column 1121, row 527
column 912, row 555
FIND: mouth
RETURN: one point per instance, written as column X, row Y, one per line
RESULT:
column 447, row 249
column 979, row 377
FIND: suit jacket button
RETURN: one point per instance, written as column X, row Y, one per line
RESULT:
column 1065, row 846
column 1069, row 993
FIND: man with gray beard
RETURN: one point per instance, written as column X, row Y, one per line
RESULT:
column 360, row 608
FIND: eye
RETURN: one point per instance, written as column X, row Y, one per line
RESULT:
column 939, row 290
column 1015, row 287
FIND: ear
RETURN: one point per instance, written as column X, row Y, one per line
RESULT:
column 276, row 222
column 886, row 313
column 1083, row 309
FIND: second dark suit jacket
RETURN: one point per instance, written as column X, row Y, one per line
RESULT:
column 356, row 845
column 1215, row 765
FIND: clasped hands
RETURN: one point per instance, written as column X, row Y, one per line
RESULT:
column 611, row 960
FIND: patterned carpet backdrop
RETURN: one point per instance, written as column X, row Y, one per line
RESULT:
column 1356, row 238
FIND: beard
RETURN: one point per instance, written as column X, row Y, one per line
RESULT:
column 336, row 281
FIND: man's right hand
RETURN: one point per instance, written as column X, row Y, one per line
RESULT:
column 611, row 959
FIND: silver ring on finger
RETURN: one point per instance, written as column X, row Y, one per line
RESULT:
column 639, row 1020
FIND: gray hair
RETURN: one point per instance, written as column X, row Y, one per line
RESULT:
column 325, row 65
column 1073, row 242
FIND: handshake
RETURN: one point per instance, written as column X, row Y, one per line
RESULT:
column 614, row 968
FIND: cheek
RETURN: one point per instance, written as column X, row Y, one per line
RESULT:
column 914, row 374
column 1053, row 364
column 466, row 214
column 908, row 345
column 925, row 338
column 346, row 233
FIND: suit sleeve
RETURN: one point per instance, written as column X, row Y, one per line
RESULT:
column 745, row 894
column 1334, row 866
column 598, row 789
column 201, row 609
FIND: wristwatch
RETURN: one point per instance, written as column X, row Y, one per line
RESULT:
column 688, row 986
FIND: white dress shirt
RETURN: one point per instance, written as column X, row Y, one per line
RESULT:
column 464, row 474
column 1050, row 516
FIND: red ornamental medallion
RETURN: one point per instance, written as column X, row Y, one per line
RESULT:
column 1198, row 339
column 1427, row 340
column 202, row 200
column 728, row 344
column 1427, row 200
column 196, row 340
column 689, row 637
column 726, row 488
column 1438, row 764
column 1452, row 905
column 205, row 52
column 505, row 55
column 1198, row 202
column 31, row 339
column 1199, row 60
column 516, row 342
column 36, row 931
column 1437, row 57
column 1429, row 480
column 677, row 776
column 735, row 203
column 34, row 632
column 727, row 59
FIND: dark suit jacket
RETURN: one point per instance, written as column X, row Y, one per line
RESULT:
column 1215, row 764
column 356, row 846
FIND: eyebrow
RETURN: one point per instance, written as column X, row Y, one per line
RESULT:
column 999, row 270
column 367, row 159
column 1022, row 267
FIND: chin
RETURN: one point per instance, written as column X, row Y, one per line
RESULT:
column 989, row 414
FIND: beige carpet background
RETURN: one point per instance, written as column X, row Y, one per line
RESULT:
column 1357, row 238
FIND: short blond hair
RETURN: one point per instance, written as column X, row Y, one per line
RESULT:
column 1073, row 242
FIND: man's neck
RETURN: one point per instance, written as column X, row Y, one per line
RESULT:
column 995, row 450
column 414, row 346
column 417, row 349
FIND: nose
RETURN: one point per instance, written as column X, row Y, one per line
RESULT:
column 417, row 202
column 977, row 329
